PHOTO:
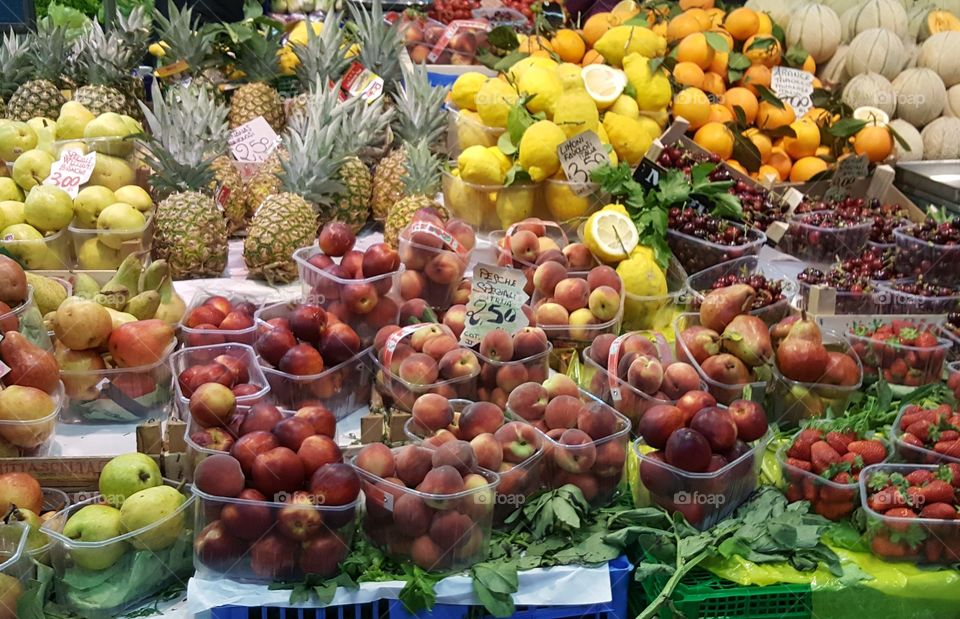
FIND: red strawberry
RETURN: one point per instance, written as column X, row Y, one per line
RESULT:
column 954, row 473
column 833, row 510
column 937, row 491
column 882, row 546
column 925, row 339
column 883, row 500
column 840, row 440
column 899, row 512
column 915, row 496
column 822, row 455
column 911, row 440
column 911, row 418
column 939, row 511
column 948, row 436
column 832, row 493
column 871, row 451
column 794, row 493
column 948, row 448
column 856, row 462
column 809, row 490
column 919, row 477
column 921, row 429
column 803, row 465
column 933, row 550
column 801, row 444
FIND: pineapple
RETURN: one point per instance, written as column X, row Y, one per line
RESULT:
column 189, row 132
column 186, row 41
column 419, row 114
column 322, row 59
column 226, row 178
column 421, row 182
column 14, row 67
column 264, row 183
column 105, row 59
column 257, row 58
column 40, row 96
column 287, row 221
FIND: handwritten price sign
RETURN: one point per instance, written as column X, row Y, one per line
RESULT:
column 849, row 170
column 496, row 302
column 579, row 156
column 793, row 86
column 254, row 141
column 71, row 171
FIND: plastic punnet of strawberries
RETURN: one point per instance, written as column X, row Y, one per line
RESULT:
column 933, row 433
column 903, row 352
column 824, row 468
column 915, row 512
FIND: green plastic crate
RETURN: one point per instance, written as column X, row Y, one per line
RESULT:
column 701, row 595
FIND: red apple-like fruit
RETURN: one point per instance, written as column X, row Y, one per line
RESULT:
column 320, row 417
column 277, row 471
column 688, row 450
column 335, row 484
column 212, row 404
column 336, row 239
column 274, row 557
column 750, row 418
column 216, row 548
column 658, row 423
column 717, row 426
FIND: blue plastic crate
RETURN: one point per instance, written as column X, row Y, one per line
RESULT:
column 621, row 575
column 441, row 79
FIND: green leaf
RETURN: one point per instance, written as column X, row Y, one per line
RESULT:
column 739, row 61
column 717, row 42
column 508, row 61
column 516, row 174
column 503, row 37
column 899, row 138
column 630, row 90
column 745, row 151
column 796, row 56
column 519, row 119
column 637, row 20
column 767, row 95
column 299, row 595
column 846, row 127
column 418, row 593
column 761, row 44
column 779, row 35
column 506, row 145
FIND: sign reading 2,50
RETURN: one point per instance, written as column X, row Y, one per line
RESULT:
column 491, row 313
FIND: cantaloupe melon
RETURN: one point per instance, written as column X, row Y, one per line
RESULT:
column 952, row 108
column 835, row 70
column 846, row 24
column 778, row 10
column 911, row 136
column 936, row 21
column 840, row 6
column 871, row 89
column 920, row 96
column 941, row 52
column 941, row 139
column 916, row 13
column 948, row 5
column 888, row 14
column 815, row 28
column 877, row 50
column 911, row 51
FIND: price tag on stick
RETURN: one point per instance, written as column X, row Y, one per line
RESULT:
column 496, row 302
column 579, row 156
column 850, row 169
column 72, row 170
column 793, row 86
column 253, row 141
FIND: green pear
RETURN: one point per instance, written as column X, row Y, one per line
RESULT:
column 80, row 147
column 46, row 131
column 11, row 212
column 112, row 172
column 95, row 523
column 9, row 190
column 135, row 196
column 35, row 538
column 16, row 138
column 32, row 167
column 133, row 125
column 48, row 208
column 95, row 256
column 89, row 203
column 149, row 507
column 119, row 223
column 73, row 119
column 109, row 125
column 128, row 474
column 25, row 243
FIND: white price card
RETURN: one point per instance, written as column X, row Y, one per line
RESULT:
column 579, row 156
column 793, row 86
column 496, row 302
column 72, row 170
column 849, row 170
column 254, row 141
column 359, row 81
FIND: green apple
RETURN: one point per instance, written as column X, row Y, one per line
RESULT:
column 9, row 190
column 95, row 256
column 46, row 131
column 149, row 507
column 95, row 523
column 73, row 119
column 135, row 196
column 32, row 167
column 118, row 223
column 89, row 203
column 11, row 212
column 112, row 172
column 128, row 474
column 48, row 208
column 16, row 138
column 109, row 125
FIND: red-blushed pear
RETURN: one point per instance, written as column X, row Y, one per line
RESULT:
column 748, row 338
column 726, row 369
column 140, row 343
column 841, row 370
column 701, row 342
column 30, row 365
column 721, row 305
column 22, row 490
column 801, row 356
column 779, row 331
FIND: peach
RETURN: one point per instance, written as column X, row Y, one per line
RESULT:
column 518, row 440
column 316, row 451
column 426, row 554
column 576, row 452
column 217, row 549
column 488, row 451
column 301, row 360
column 442, row 480
column 578, row 256
column 420, row 337
column 636, row 343
column 545, row 243
column 528, row 342
column 511, row 376
column 524, row 246
column 323, row 555
column 581, row 323
column 461, row 296
column 552, row 314
column 458, row 454
column 598, row 421
column 604, row 303
column 537, row 227
column 552, row 255
column 459, row 363
column 463, row 232
column 561, row 384
column 400, row 354
column 300, row 520
column 377, row 459
column 384, row 313
column 479, row 418
column 562, row 412
column 413, row 284
column 497, row 345
column 432, row 412
column 445, row 268
column 411, row 516
column 219, row 475
column 217, row 439
column 335, row 484
column 678, row 379
column 600, row 348
column 586, row 483
column 419, row 369
column 412, row 464
column 529, row 401
column 604, row 275
column 450, row 528
column 383, row 334
column 572, row 293
column 611, row 456
column 440, row 345
column 454, row 318
column 320, row 417
column 646, row 374
column 441, row 437
column 547, row 276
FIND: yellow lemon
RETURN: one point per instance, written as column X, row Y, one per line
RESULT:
column 521, row 66
column 604, row 84
column 494, row 100
column 478, row 165
column 610, row 235
column 569, row 75
column 545, row 87
column 464, row 91
column 538, row 150
column 562, row 202
column 505, row 163
column 621, row 41
column 628, row 137
column 471, row 131
column 653, row 89
column 575, row 113
column 625, row 106
column 515, row 204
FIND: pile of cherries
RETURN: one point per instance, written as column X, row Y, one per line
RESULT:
column 705, row 227
column 921, row 288
column 854, row 211
column 854, row 274
column 768, row 291
column 946, row 233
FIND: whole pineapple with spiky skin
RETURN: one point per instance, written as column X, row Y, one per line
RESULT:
column 14, row 66
column 264, row 183
column 419, row 114
column 421, row 182
column 257, row 58
column 226, row 178
column 40, row 96
column 104, row 61
column 189, row 132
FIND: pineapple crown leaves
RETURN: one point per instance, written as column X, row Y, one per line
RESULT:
column 310, row 169
column 254, row 43
column 322, row 105
column 14, row 64
column 418, row 105
column 189, row 131
column 363, row 125
column 380, row 41
column 134, row 30
column 185, row 39
column 323, row 58
column 102, row 56
column 49, row 48
column 422, row 170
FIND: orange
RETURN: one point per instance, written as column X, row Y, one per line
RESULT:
column 597, row 25
column 817, row 83
column 818, row 115
column 770, row 116
column 680, row 26
column 719, row 64
column 716, row 17
column 702, row 17
column 744, row 99
column 762, row 49
column 766, row 24
column 761, row 141
column 535, row 43
column 592, row 57
column 806, row 168
column 733, row 163
column 824, row 152
column 716, row 138
column 568, row 45
column 874, row 142
column 660, row 29
column 713, row 84
column 719, row 114
column 694, row 48
column 696, row 4
column 692, row 104
column 780, row 161
column 806, row 141
column 742, row 23
column 688, row 74
column 809, row 65
column 768, row 171
column 758, row 74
